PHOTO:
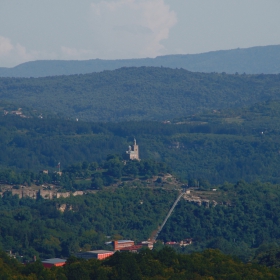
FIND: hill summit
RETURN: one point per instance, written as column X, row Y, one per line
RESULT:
column 255, row 60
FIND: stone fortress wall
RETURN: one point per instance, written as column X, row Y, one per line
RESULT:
column 45, row 194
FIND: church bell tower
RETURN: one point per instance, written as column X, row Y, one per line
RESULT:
column 133, row 152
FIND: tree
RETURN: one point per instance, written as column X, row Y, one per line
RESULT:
column 97, row 183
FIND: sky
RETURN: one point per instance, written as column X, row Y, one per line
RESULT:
column 118, row 29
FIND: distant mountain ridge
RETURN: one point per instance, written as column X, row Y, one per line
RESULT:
column 255, row 60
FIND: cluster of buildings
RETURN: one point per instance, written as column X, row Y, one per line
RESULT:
column 17, row 112
column 119, row 245
column 182, row 243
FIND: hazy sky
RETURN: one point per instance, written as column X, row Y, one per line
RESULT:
column 111, row 29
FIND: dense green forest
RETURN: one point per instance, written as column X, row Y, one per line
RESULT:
column 253, row 60
column 89, row 176
column 219, row 146
column 46, row 231
column 145, row 93
column 203, row 148
column 163, row 264
column 246, row 221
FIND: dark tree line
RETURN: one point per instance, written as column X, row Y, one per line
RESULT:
column 163, row 264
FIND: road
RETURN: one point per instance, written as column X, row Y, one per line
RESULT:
column 154, row 238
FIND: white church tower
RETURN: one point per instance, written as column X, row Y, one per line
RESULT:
column 133, row 152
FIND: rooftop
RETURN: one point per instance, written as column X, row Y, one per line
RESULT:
column 54, row 261
column 98, row 252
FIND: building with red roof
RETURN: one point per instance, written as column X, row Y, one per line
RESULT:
column 48, row 263
column 97, row 254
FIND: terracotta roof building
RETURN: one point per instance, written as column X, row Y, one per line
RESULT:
column 132, row 249
column 119, row 244
column 97, row 254
column 53, row 262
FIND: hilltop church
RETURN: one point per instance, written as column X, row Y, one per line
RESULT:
column 133, row 152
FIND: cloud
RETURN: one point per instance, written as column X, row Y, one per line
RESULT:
column 131, row 28
column 108, row 29
column 5, row 46
column 9, row 53
column 13, row 54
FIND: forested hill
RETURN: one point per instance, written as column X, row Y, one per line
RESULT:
column 254, row 60
column 219, row 146
column 145, row 93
